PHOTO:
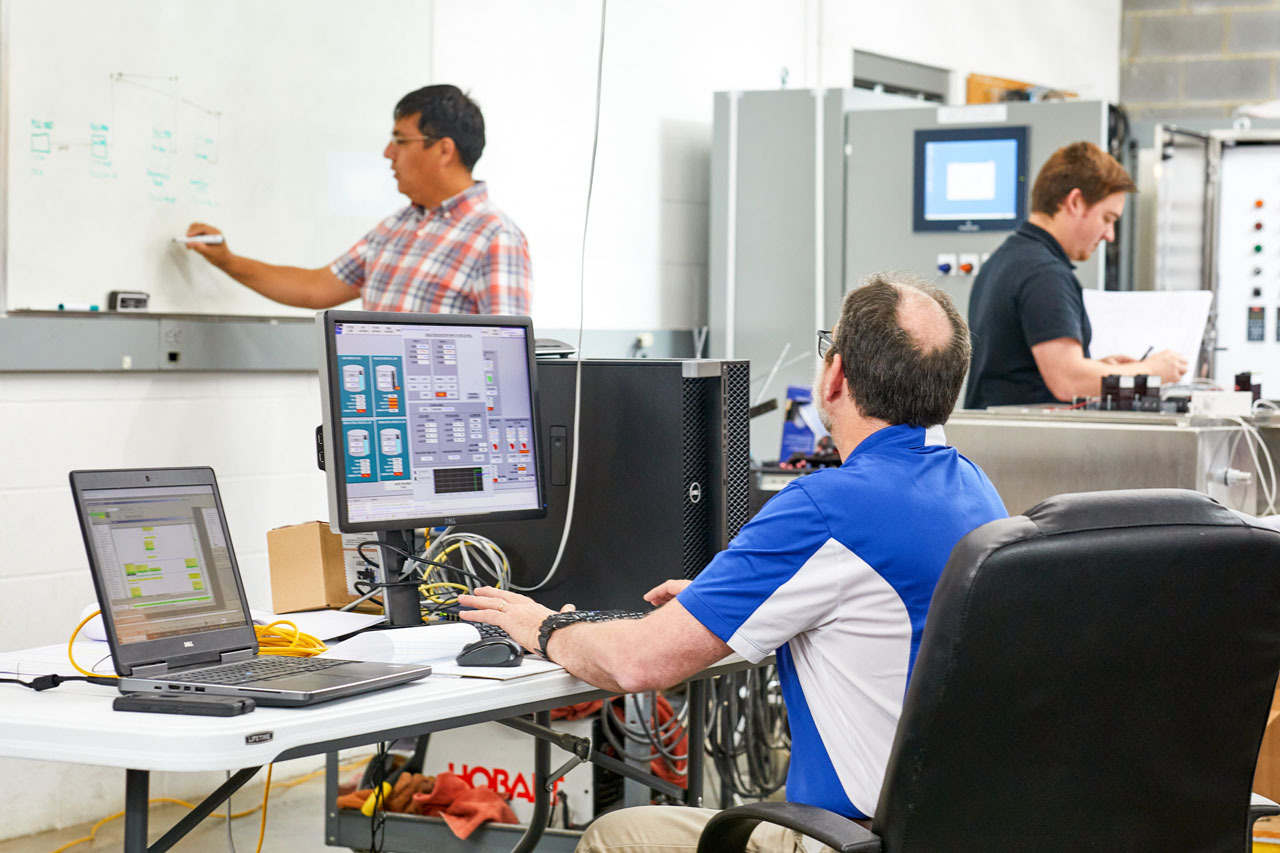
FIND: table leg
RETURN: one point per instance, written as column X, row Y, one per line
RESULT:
column 697, row 731
column 137, row 785
column 541, row 794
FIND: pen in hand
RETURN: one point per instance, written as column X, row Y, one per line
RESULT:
column 1147, row 353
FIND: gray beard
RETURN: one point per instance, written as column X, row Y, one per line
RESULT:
column 818, row 402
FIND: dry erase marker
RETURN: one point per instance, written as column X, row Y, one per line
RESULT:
column 76, row 306
column 208, row 239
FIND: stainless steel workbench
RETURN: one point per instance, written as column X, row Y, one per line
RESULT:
column 1031, row 454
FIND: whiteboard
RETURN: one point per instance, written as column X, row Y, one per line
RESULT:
column 128, row 119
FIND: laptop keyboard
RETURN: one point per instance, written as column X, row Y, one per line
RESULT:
column 263, row 666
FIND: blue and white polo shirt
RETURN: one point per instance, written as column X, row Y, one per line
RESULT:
column 835, row 573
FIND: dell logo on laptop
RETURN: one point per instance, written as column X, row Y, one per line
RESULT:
column 187, row 644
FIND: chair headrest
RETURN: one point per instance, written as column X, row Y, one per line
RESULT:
column 1127, row 508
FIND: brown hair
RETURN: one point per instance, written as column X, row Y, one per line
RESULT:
column 1083, row 166
column 891, row 376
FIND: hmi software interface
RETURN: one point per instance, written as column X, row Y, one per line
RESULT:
column 436, row 420
column 164, row 561
column 971, row 179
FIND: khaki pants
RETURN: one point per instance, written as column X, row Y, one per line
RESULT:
column 675, row 829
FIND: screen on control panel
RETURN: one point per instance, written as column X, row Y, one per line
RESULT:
column 970, row 179
column 430, row 419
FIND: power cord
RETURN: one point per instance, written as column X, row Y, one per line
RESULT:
column 266, row 792
column 582, row 319
column 47, row 682
column 748, row 738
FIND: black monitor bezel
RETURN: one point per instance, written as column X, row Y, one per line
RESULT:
column 335, row 449
column 1018, row 133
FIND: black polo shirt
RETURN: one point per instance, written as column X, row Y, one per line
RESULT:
column 1025, row 294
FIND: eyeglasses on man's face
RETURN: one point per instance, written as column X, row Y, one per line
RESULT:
column 400, row 141
column 824, row 342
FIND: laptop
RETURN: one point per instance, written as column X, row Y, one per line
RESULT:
column 173, row 602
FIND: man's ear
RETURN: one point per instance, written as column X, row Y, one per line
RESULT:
column 833, row 379
column 448, row 150
column 1072, row 204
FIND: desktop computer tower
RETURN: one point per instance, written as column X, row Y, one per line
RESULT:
column 663, row 477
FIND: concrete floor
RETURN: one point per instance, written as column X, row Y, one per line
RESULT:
column 295, row 824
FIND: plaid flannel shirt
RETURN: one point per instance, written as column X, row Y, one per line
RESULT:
column 463, row 257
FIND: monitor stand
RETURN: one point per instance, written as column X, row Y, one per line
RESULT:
column 400, row 602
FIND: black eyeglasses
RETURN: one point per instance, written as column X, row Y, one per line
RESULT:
column 824, row 342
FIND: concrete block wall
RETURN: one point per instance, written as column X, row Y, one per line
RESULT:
column 1198, row 58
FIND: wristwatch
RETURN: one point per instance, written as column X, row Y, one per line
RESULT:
column 553, row 623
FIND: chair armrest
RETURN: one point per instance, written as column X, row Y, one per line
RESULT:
column 729, row 830
column 1260, row 806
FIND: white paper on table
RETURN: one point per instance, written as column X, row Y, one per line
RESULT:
column 324, row 625
column 436, row 645
column 1130, row 322
column 52, row 660
column 531, row 665
column 423, row 644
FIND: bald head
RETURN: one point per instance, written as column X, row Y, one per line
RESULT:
column 904, row 347
column 923, row 319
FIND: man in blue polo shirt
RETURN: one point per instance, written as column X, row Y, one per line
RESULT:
column 834, row 574
column 1031, row 332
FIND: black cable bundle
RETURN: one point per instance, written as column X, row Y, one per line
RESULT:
column 657, row 740
column 747, row 734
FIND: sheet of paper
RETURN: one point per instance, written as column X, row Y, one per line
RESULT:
column 425, row 644
column 531, row 665
column 49, row 660
column 1130, row 322
column 437, row 645
column 321, row 624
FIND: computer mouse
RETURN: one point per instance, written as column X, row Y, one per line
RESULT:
column 491, row 651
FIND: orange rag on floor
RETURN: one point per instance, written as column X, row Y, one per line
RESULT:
column 462, row 807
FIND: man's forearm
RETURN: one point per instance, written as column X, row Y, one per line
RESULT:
column 301, row 288
column 620, row 655
column 584, row 650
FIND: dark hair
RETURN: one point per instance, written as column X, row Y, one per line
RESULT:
column 891, row 375
column 445, row 110
column 1081, row 165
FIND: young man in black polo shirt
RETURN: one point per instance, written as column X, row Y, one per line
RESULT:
column 1026, row 313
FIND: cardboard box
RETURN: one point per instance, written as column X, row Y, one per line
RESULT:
column 313, row 568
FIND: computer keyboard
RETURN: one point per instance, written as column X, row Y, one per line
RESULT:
column 261, row 667
column 610, row 615
column 487, row 631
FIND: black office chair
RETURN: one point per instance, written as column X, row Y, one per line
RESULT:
column 1094, row 675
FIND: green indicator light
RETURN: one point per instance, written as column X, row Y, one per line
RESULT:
column 1258, row 248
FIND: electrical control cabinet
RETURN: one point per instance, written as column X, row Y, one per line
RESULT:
column 892, row 170
column 1247, row 261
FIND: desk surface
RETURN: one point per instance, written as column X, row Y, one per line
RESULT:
column 75, row 722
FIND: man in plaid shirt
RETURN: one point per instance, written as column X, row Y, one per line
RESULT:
column 449, row 252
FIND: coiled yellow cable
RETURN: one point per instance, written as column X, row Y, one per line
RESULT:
column 282, row 637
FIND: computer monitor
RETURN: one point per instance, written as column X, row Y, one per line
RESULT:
column 429, row 419
column 970, row 179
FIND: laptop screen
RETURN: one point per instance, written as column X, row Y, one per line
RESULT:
column 164, row 561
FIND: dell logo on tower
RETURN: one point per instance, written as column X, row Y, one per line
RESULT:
column 187, row 644
column 695, row 492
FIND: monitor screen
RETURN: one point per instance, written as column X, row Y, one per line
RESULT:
column 163, row 561
column 970, row 179
column 429, row 419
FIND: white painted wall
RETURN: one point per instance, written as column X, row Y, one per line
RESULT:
column 532, row 68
